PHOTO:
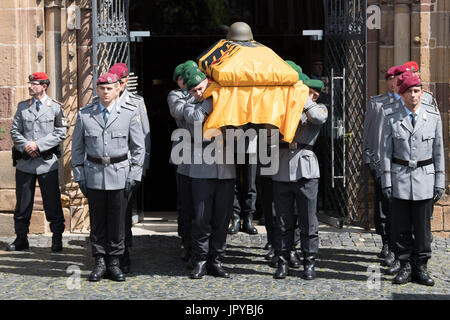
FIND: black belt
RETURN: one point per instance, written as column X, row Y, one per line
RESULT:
column 107, row 160
column 295, row 146
column 412, row 163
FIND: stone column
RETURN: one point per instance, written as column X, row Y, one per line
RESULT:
column 401, row 31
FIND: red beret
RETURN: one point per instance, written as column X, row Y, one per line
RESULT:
column 107, row 78
column 412, row 66
column 390, row 72
column 37, row 76
column 399, row 70
column 120, row 69
column 407, row 80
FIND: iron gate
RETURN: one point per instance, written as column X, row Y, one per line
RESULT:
column 111, row 37
column 344, row 184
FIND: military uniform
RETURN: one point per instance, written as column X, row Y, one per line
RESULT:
column 43, row 122
column 177, row 100
column 106, row 156
column 413, row 167
column 372, row 126
column 297, row 181
column 212, row 197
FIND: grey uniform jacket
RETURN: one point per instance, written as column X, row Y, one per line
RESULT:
column 138, row 101
column 47, row 128
column 369, row 120
column 121, row 133
column 301, row 163
column 195, row 114
column 176, row 101
column 402, row 141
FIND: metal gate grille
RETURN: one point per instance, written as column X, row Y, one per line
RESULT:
column 345, row 43
column 111, row 39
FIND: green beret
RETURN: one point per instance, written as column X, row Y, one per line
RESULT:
column 178, row 71
column 190, row 63
column 314, row 84
column 189, row 71
column 304, row 77
column 296, row 67
column 195, row 79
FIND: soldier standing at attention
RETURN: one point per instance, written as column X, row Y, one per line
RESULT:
column 297, row 181
column 176, row 101
column 121, row 71
column 106, row 133
column 38, row 127
column 372, row 122
column 413, row 177
column 212, row 189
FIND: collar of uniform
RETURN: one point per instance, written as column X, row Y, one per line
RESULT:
column 397, row 96
column 110, row 108
column 43, row 100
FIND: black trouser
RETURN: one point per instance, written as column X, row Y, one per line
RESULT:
column 381, row 210
column 411, row 229
column 245, row 191
column 186, row 210
column 107, row 217
column 267, row 205
column 51, row 198
column 303, row 193
column 212, row 200
column 131, row 200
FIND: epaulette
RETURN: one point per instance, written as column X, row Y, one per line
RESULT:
column 390, row 108
column 129, row 106
column 429, row 92
column 89, row 105
column 57, row 102
column 135, row 96
column 430, row 108
column 377, row 97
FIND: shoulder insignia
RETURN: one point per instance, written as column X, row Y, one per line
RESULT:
column 129, row 106
column 430, row 108
column 390, row 108
column 89, row 105
column 429, row 92
column 56, row 101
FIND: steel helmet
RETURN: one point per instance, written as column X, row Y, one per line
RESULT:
column 240, row 31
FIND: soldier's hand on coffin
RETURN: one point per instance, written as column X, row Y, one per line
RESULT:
column 387, row 193
column 83, row 187
column 438, row 192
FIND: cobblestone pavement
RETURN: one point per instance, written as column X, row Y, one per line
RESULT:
column 344, row 271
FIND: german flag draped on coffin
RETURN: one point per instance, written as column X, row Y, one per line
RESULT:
column 249, row 82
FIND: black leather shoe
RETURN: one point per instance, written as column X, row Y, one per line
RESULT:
column 308, row 265
column 283, row 267
column 247, row 225
column 274, row 261
column 268, row 246
column 57, row 242
column 185, row 254
column 125, row 261
column 389, row 260
column 270, row 255
column 235, row 224
column 384, row 251
column 404, row 274
column 215, row 269
column 420, row 275
column 19, row 244
column 114, row 272
column 394, row 268
column 199, row 270
column 99, row 269
column 294, row 263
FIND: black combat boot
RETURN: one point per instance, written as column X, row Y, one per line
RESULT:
column 125, row 261
column 394, row 268
column 57, row 242
column 404, row 274
column 283, row 265
column 215, row 269
column 294, row 263
column 420, row 274
column 309, row 261
column 389, row 260
column 270, row 254
column 235, row 224
column 247, row 225
column 114, row 271
column 384, row 250
column 268, row 246
column 19, row 244
column 199, row 269
column 99, row 269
